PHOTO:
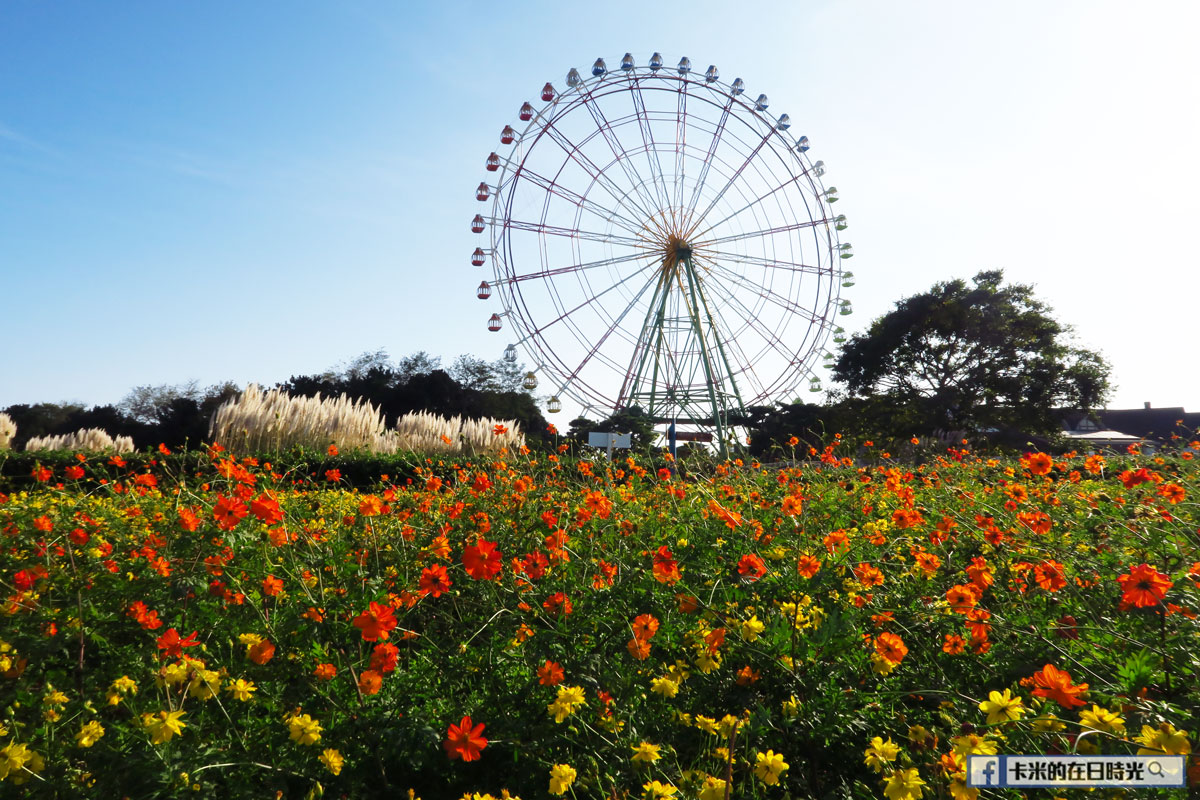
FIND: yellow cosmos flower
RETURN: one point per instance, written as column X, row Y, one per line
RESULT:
column 791, row 707
column 769, row 766
column 1002, row 707
column 89, row 734
column 241, row 689
column 333, row 761
column 569, row 700
column 561, row 778
column 18, row 762
column 973, row 745
column 712, row 789
column 1163, row 739
column 163, row 725
column 706, row 724
column 751, row 628
column 304, row 729
column 657, row 789
column 904, row 784
column 54, row 697
column 1101, row 719
column 646, row 753
column 204, row 684
column 881, row 753
column 664, row 687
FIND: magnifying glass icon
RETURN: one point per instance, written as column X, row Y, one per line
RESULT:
column 1155, row 768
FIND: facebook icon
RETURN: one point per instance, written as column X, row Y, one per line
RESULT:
column 985, row 771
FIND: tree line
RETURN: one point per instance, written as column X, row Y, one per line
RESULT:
column 979, row 360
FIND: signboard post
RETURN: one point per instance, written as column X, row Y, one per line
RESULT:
column 610, row 440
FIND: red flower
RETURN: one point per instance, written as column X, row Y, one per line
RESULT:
column 188, row 519
column 332, row 450
column 550, row 674
column 751, row 567
column 1056, row 685
column 41, row 475
column 807, row 566
column 375, row 622
column 499, row 430
column 1143, row 587
column 271, row 586
column 435, row 581
column 333, row 475
column 228, row 512
column 384, row 658
column 74, row 472
column 465, row 740
column 1132, row 479
column 558, row 604
column 43, row 524
column 482, row 561
column 266, row 508
column 172, row 646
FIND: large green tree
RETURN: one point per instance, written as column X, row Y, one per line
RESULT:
column 978, row 356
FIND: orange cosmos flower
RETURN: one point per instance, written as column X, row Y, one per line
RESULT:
column 868, row 575
column 714, row 639
column 228, row 512
column 465, row 740
column 261, row 652
column 807, row 566
column 732, row 519
column 1094, row 464
column 907, row 518
column 1050, row 576
column 384, row 658
column 1037, row 463
column 499, row 430
column 376, row 621
column 638, row 648
column 558, row 605
column 1131, row 478
column 751, row 567
column 1056, row 685
column 953, row 644
column 1143, row 587
column 891, row 647
column 1037, row 521
column 550, row 674
column 435, row 581
column 1172, row 492
column 962, row 597
column 266, row 509
column 172, row 645
column 325, row 672
column 645, row 626
column 370, row 682
column 482, row 561
column 666, row 568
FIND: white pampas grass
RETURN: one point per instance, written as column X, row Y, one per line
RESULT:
column 267, row 422
column 86, row 439
column 8, row 431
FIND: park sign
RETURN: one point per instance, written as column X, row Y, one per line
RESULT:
column 610, row 440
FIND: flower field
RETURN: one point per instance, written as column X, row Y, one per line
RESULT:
column 544, row 625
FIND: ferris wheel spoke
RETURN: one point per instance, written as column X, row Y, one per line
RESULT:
column 708, row 159
column 795, row 226
column 710, row 256
column 573, row 233
column 769, row 336
column 750, row 205
column 566, row 314
column 576, row 154
column 606, row 132
column 733, row 179
column 591, row 353
column 549, row 273
column 769, row 296
column 548, row 185
column 652, row 160
column 680, row 142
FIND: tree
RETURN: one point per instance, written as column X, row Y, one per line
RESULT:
column 974, row 357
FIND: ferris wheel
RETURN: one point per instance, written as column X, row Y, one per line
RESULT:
column 657, row 239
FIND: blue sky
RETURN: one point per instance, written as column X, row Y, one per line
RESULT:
column 249, row 191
